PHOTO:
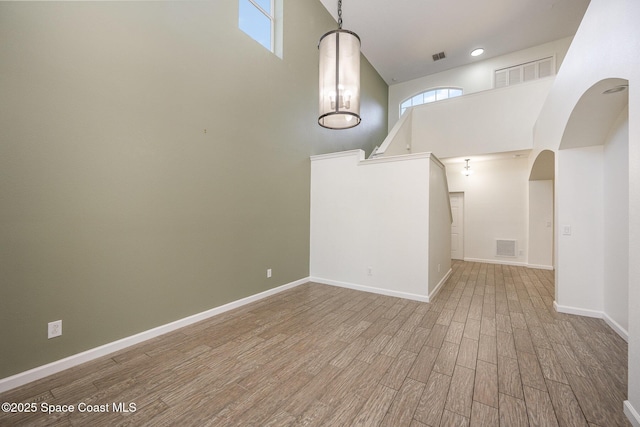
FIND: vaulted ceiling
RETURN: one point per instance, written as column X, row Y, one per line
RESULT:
column 399, row 37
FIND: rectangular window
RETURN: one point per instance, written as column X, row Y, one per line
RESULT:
column 257, row 21
column 261, row 20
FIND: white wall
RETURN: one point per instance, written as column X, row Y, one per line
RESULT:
column 633, row 404
column 579, row 181
column 370, row 223
column 606, row 45
column 439, row 225
column 616, row 223
column 472, row 78
column 486, row 122
column 594, row 188
column 541, row 224
column 399, row 138
column 495, row 206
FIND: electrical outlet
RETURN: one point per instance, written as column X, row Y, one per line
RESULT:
column 54, row 329
column 268, row 273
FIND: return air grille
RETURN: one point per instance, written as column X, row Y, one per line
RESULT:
column 505, row 248
column 524, row 72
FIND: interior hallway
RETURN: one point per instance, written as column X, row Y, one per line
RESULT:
column 489, row 350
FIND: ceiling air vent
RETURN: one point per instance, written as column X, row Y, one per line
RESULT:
column 438, row 56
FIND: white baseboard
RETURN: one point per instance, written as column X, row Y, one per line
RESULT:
column 541, row 267
column 440, row 284
column 593, row 313
column 514, row 263
column 577, row 311
column 632, row 414
column 94, row 353
column 381, row 291
column 616, row 327
column 497, row 261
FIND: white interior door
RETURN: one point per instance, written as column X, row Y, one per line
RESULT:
column 457, row 225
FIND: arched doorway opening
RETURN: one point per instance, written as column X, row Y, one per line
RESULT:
column 593, row 206
column 541, row 211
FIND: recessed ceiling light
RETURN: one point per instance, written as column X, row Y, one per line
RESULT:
column 477, row 52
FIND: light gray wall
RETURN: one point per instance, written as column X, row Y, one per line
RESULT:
column 154, row 163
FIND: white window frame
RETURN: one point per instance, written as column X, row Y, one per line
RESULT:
column 435, row 91
column 275, row 19
column 271, row 17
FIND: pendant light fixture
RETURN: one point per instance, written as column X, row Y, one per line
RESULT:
column 466, row 171
column 339, row 78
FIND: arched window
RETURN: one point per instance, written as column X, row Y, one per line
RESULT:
column 430, row 95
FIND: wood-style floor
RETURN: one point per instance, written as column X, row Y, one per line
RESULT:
column 488, row 351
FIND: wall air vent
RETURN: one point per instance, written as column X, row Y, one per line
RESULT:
column 438, row 56
column 505, row 248
column 524, row 72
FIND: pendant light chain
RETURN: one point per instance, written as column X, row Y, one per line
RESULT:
column 340, row 14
